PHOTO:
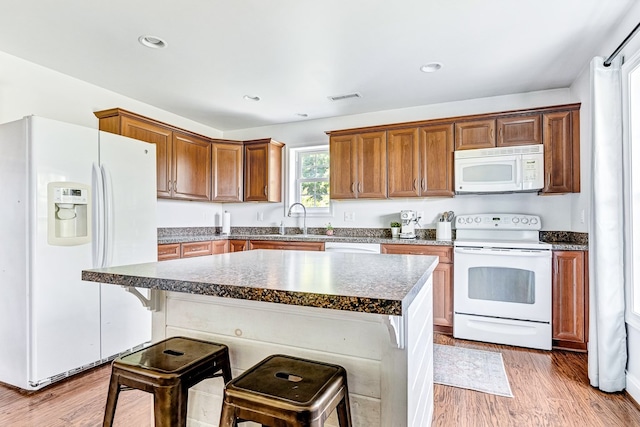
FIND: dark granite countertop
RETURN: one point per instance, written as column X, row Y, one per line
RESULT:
column 566, row 244
column 368, row 283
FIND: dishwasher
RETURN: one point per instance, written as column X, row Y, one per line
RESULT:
column 360, row 248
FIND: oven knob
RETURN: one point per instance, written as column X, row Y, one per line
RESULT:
column 533, row 221
column 477, row 220
column 460, row 220
column 469, row 220
column 525, row 220
column 515, row 220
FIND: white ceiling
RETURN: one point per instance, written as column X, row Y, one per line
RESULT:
column 294, row 54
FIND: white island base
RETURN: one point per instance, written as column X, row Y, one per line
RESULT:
column 389, row 359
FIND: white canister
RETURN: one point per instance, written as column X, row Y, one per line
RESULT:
column 443, row 230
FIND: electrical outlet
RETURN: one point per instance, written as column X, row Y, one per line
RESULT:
column 582, row 216
column 260, row 216
column 349, row 216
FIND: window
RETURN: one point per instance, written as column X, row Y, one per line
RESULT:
column 631, row 102
column 309, row 179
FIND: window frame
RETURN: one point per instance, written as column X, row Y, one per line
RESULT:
column 293, row 194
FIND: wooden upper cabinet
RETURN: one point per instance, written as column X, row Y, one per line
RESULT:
column 358, row 166
column 263, row 170
column 343, row 167
column 420, row 161
column 191, row 167
column 226, row 174
column 162, row 138
column 372, row 165
column 436, row 160
column 476, row 134
column 403, row 151
column 561, row 139
column 519, row 130
column 183, row 158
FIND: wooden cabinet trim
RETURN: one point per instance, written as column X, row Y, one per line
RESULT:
column 119, row 112
column 450, row 120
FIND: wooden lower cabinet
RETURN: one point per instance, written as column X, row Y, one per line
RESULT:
column 219, row 247
column 238, row 245
column 168, row 251
column 570, row 296
column 286, row 245
column 442, row 280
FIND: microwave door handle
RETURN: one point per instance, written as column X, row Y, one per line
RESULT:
column 519, row 172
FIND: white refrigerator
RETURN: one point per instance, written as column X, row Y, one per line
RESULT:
column 72, row 198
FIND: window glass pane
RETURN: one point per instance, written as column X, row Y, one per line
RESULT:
column 502, row 284
column 314, row 194
column 314, row 165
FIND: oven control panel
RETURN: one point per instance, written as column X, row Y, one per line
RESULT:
column 498, row 222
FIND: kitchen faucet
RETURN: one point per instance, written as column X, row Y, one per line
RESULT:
column 304, row 224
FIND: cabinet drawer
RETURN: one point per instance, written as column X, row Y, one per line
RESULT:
column 281, row 245
column 444, row 252
column 196, row 249
column 168, row 251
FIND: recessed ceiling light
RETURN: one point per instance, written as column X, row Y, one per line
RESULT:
column 251, row 98
column 302, row 115
column 152, row 42
column 431, row 67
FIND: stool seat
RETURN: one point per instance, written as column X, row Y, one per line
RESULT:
column 167, row 369
column 287, row 391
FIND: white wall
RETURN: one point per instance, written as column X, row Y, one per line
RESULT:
column 558, row 212
column 26, row 89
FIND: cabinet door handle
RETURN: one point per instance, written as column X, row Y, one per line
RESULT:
column 491, row 134
column 169, row 185
column 423, row 185
column 175, row 185
column 500, row 136
column 415, row 183
column 353, row 187
column 359, row 187
column 238, row 192
column 265, row 190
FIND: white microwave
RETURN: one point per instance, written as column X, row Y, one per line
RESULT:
column 500, row 169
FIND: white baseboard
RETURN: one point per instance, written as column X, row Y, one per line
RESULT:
column 633, row 387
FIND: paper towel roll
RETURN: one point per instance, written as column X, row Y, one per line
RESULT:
column 226, row 223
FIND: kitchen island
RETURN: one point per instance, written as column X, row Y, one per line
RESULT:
column 370, row 313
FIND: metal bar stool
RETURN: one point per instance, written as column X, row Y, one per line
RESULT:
column 167, row 369
column 287, row 391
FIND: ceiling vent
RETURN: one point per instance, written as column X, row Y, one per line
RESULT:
column 346, row 96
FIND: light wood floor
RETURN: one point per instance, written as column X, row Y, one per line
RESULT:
column 549, row 388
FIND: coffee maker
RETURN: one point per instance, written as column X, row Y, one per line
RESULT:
column 409, row 221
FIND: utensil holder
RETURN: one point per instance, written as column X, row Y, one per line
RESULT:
column 443, row 230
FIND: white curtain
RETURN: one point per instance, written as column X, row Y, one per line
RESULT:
column 607, row 333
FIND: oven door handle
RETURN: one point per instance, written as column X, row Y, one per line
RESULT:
column 504, row 252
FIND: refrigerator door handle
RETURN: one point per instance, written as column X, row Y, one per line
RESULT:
column 98, row 217
column 108, row 217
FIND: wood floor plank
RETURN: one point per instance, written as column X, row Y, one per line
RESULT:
column 549, row 388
